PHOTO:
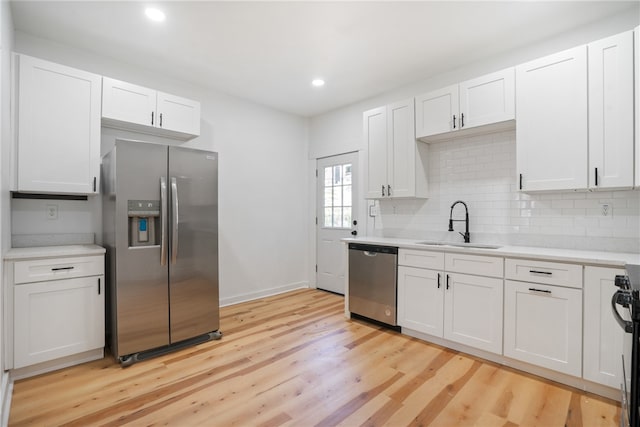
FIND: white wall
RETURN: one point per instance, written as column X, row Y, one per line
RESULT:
column 263, row 199
column 6, row 45
column 561, row 220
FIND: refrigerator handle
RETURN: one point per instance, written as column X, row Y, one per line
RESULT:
column 174, row 219
column 163, row 219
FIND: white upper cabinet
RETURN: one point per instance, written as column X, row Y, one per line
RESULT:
column 551, row 129
column 133, row 107
column 396, row 165
column 611, row 112
column 58, row 128
column 486, row 100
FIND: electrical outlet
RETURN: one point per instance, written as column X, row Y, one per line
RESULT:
column 52, row 211
column 606, row 209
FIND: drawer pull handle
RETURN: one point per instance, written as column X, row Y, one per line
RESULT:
column 447, row 282
column 62, row 268
column 548, row 273
column 540, row 290
column 438, row 280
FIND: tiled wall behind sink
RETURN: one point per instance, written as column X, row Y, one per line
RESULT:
column 481, row 171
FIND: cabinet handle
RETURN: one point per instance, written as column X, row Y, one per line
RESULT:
column 388, row 190
column 438, row 280
column 94, row 184
column 454, row 121
column 596, row 177
column 547, row 273
column 62, row 268
column 383, row 191
column 540, row 290
column 461, row 120
column 99, row 290
column 521, row 181
column 160, row 119
column 447, row 282
column 152, row 118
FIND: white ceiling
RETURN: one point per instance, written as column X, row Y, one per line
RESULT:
column 269, row 52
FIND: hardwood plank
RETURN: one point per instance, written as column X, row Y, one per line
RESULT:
column 293, row 359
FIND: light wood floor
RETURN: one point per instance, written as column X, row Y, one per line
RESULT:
column 294, row 360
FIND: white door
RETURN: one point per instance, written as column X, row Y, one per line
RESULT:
column 375, row 136
column 336, row 201
column 129, row 103
column 488, row 99
column 437, row 112
column 178, row 114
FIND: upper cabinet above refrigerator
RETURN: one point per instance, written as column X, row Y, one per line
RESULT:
column 132, row 107
column 58, row 128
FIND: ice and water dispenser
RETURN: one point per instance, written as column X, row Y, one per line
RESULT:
column 144, row 222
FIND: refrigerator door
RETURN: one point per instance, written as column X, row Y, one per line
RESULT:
column 141, row 282
column 193, row 254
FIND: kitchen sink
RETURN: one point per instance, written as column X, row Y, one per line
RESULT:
column 459, row 245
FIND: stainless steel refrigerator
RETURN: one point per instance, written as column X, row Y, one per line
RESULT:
column 160, row 224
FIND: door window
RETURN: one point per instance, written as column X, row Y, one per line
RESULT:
column 337, row 196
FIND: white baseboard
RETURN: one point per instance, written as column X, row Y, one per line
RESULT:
column 262, row 293
column 7, row 392
column 54, row 365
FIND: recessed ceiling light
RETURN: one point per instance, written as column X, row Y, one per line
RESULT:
column 155, row 14
column 317, row 82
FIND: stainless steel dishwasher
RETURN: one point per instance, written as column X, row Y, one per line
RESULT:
column 373, row 272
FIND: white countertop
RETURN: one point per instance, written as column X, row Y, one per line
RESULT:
column 600, row 258
column 53, row 251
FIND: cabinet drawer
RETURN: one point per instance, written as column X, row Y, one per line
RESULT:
column 421, row 259
column 549, row 273
column 57, row 268
column 474, row 264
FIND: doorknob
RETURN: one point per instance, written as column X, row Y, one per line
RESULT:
column 354, row 233
column 355, row 222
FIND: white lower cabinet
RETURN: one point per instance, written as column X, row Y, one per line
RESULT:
column 604, row 339
column 543, row 325
column 421, row 300
column 459, row 307
column 57, row 318
column 473, row 311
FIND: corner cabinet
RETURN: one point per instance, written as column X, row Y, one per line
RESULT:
column 58, row 128
column 396, row 164
column 552, row 126
column 483, row 101
column 132, row 107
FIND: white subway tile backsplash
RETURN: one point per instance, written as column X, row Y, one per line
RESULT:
column 481, row 171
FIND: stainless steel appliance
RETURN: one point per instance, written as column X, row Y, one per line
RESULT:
column 373, row 274
column 160, row 223
column 628, row 297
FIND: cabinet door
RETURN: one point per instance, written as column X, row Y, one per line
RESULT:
column 488, row 99
column 401, row 164
column 473, row 311
column 543, row 326
column 58, row 318
column 437, row 112
column 604, row 340
column 611, row 112
column 126, row 102
column 551, row 110
column 420, row 300
column 178, row 114
column 58, row 128
column 375, row 135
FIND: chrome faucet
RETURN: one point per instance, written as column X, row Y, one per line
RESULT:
column 466, row 220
